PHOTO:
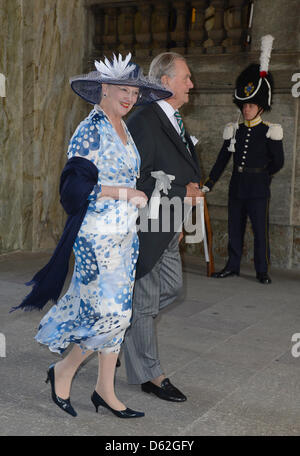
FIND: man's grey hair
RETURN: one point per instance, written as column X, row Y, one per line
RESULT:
column 164, row 64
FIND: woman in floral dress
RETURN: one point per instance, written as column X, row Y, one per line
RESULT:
column 95, row 311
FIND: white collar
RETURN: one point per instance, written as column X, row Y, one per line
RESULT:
column 167, row 108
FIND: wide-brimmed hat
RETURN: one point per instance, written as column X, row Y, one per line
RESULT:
column 255, row 83
column 117, row 72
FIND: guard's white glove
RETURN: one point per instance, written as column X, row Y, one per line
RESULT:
column 204, row 189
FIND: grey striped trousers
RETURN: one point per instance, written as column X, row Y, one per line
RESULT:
column 152, row 293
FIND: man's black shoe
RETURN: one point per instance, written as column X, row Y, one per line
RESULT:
column 224, row 273
column 263, row 277
column 166, row 391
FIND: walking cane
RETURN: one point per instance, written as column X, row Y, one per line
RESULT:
column 207, row 240
column 209, row 237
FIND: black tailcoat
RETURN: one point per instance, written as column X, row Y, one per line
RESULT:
column 161, row 149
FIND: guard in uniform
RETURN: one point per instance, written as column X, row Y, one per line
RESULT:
column 257, row 150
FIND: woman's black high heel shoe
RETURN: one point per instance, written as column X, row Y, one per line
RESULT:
column 127, row 413
column 64, row 404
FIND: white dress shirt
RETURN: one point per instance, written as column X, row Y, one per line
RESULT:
column 169, row 111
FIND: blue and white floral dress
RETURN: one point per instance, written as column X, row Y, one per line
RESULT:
column 96, row 310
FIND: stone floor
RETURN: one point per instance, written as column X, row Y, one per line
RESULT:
column 227, row 344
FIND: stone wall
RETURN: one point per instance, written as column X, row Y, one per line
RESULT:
column 11, row 136
column 42, row 43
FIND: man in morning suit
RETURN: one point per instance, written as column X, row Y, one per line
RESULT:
column 164, row 145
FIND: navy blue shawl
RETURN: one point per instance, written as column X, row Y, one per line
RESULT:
column 77, row 181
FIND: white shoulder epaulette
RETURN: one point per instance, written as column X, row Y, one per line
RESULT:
column 229, row 133
column 274, row 132
column 229, row 130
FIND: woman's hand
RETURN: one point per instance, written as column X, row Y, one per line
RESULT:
column 136, row 197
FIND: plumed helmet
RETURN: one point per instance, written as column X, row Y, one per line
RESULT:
column 255, row 83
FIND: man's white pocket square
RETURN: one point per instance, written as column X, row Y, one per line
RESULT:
column 194, row 140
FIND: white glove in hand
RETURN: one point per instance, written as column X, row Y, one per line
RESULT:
column 163, row 181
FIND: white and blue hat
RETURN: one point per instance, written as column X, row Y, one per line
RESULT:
column 118, row 72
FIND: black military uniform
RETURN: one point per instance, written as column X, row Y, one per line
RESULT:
column 257, row 150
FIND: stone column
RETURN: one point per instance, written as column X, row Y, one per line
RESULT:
column 296, row 194
column 126, row 29
column 29, row 127
column 11, row 130
column 216, row 34
column 160, row 27
column 283, row 22
column 40, row 113
column 99, row 17
column 196, row 29
column 143, row 30
column 235, row 26
column 179, row 35
column 110, row 37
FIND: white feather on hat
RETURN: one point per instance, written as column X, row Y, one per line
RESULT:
column 266, row 49
column 117, row 69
